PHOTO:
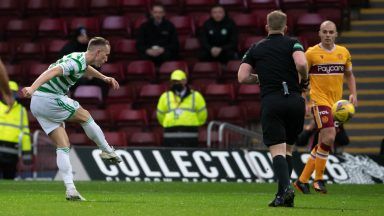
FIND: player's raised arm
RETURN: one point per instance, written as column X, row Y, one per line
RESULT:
column 43, row 78
column 110, row 80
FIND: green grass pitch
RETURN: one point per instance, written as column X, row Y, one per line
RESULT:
column 140, row 198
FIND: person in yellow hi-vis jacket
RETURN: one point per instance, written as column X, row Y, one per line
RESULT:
column 14, row 135
column 181, row 110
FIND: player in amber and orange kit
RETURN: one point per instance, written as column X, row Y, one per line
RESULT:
column 328, row 64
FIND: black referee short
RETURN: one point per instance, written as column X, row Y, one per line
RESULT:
column 282, row 118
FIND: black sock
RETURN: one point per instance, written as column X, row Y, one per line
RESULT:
column 288, row 158
column 280, row 168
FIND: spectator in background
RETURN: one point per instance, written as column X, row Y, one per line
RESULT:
column 79, row 43
column 157, row 38
column 218, row 37
column 14, row 135
column 181, row 111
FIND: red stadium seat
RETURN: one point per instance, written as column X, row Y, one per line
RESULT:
column 144, row 139
column 130, row 118
column 234, row 5
column 294, row 4
column 151, row 92
column 33, row 123
column 252, row 110
column 247, row 42
column 309, row 22
column 52, row 28
column 168, row 67
column 203, row 138
column 125, row 94
column 116, row 26
column 9, row 8
column 172, row 6
column 189, row 47
column 138, row 21
column 38, row 7
column 20, row 28
column 114, row 108
column 103, row 7
column 199, row 5
column 34, row 70
column 101, row 117
column 220, row 92
column 29, row 51
column 248, row 23
column 200, row 20
column 134, row 8
column 334, row 14
column 263, row 4
column 248, row 92
column 114, row 70
column 231, row 114
column 118, row 139
column 124, row 49
column 89, row 96
column 5, row 51
column 15, row 72
column 206, row 70
column 53, row 48
column 141, row 70
column 90, row 23
column 184, row 25
column 70, row 7
column 80, row 139
column 231, row 69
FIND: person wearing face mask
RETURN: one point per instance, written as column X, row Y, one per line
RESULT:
column 14, row 136
column 157, row 38
column 181, row 111
column 218, row 37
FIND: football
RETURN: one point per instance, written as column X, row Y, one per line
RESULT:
column 342, row 111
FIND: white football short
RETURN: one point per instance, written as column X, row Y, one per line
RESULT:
column 51, row 110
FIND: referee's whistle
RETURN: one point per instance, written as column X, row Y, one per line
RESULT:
column 285, row 88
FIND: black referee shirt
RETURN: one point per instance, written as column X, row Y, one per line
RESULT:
column 273, row 62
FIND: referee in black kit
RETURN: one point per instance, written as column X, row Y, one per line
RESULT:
column 275, row 63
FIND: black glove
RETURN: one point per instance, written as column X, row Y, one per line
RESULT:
column 304, row 84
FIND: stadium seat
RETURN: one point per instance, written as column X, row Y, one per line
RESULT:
column 138, row 21
column 15, row 72
column 90, row 23
column 201, row 84
column 38, row 8
column 184, row 25
column 231, row 114
column 80, row 139
column 234, row 5
column 219, row 92
column 5, row 51
column 248, row 24
column 114, row 70
column 151, row 93
column 20, row 28
column 70, row 7
column 200, row 6
column 252, row 110
column 141, row 70
column 116, row 139
column 102, row 7
column 116, row 26
column 172, row 6
column 334, row 14
column 89, row 96
column 294, row 4
column 203, row 70
column 101, row 117
column 53, row 48
column 9, row 8
column 114, row 108
column 34, row 70
column 189, row 47
column 168, row 67
column 256, row 5
column 200, row 20
column 124, row 49
column 309, row 22
column 134, row 8
column 33, row 123
column 231, row 69
column 248, row 92
column 125, row 94
column 144, row 139
column 29, row 51
column 203, row 138
column 130, row 118
column 54, row 28
column 247, row 42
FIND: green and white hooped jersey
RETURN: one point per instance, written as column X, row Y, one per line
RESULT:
column 73, row 66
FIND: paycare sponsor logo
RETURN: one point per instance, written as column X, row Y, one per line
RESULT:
column 194, row 166
column 330, row 68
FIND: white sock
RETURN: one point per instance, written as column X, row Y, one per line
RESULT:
column 95, row 133
column 65, row 167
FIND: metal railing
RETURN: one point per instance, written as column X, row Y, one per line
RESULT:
column 252, row 139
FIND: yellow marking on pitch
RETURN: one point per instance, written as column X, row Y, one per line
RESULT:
column 364, row 126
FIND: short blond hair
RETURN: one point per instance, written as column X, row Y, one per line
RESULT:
column 97, row 41
column 276, row 20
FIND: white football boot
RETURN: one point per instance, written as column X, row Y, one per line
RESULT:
column 73, row 195
column 111, row 157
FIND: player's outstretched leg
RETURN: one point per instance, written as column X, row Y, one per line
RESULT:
column 65, row 168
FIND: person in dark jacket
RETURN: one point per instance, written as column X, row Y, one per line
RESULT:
column 157, row 38
column 218, row 37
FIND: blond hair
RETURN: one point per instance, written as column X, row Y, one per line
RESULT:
column 276, row 20
column 97, row 41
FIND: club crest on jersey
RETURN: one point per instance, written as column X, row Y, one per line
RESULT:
column 340, row 56
column 324, row 119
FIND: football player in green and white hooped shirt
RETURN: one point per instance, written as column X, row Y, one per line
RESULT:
column 51, row 106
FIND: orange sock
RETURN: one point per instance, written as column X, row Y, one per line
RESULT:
column 309, row 167
column 321, row 160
